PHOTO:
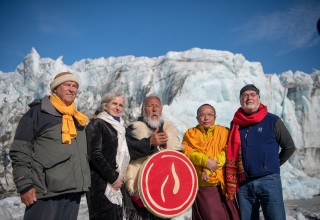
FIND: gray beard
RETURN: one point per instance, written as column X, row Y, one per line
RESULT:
column 152, row 123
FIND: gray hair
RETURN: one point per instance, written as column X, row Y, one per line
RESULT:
column 107, row 98
column 145, row 101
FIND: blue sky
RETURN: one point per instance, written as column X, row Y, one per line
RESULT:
column 280, row 34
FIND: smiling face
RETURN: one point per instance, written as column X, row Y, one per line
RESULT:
column 67, row 92
column 115, row 106
column 206, row 116
column 250, row 101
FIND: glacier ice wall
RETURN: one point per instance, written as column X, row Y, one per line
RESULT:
column 184, row 81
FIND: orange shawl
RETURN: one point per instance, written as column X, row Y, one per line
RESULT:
column 195, row 140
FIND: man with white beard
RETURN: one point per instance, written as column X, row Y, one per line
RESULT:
column 153, row 134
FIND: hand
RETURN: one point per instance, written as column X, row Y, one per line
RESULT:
column 157, row 139
column 212, row 164
column 117, row 185
column 204, row 176
column 29, row 197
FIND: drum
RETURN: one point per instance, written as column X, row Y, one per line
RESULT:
column 167, row 183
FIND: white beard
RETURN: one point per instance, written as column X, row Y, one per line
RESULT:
column 152, row 123
column 251, row 107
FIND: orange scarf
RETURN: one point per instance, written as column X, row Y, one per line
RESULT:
column 195, row 140
column 68, row 112
column 234, row 167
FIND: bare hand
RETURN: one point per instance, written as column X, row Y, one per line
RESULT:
column 157, row 139
column 204, row 176
column 117, row 185
column 212, row 164
column 29, row 197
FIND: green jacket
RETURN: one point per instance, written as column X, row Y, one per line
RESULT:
column 39, row 158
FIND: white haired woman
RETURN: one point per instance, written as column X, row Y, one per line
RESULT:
column 109, row 159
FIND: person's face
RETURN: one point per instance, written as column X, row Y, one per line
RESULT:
column 250, row 101
column 67, row 92
column 115, row 107
column 206, row 116
column 153, row 109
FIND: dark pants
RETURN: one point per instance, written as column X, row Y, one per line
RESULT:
column 210, row 203
column 62, row 207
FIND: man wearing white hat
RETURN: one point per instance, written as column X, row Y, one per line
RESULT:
column 49, row 153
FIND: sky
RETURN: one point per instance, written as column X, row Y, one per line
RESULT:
column 280, row 34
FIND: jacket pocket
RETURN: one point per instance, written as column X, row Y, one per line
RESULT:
column 58, row 174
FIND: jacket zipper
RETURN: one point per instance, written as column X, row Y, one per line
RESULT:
column 245, row 156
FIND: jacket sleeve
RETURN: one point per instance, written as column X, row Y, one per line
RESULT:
column 221, row 157
column 285, row 141
column 97, row 159
column 138, row 148
column 21, row 152
column 198, row 158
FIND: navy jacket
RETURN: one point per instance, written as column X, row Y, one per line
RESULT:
column 260, row 146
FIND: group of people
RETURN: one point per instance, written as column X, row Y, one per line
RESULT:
column 58, row 155
column 239, row 168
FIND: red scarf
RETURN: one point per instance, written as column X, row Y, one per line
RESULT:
column 234, row 166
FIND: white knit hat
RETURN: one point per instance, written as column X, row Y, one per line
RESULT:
column 61, row 78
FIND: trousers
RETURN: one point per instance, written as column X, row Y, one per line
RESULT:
column 62, row 207
column 264, row 192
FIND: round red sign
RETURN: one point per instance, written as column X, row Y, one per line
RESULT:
column 168, row 183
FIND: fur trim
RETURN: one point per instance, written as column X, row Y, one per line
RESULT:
column 141, row 130
column 173, row 139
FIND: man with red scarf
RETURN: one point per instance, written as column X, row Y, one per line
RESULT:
column 253, row 158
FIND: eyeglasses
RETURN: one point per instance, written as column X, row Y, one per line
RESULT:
column 245, row 96
column 202, row 116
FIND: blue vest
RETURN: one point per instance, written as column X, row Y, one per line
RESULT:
column 260, row 149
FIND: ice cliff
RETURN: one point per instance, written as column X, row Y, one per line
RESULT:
column 184, row 81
